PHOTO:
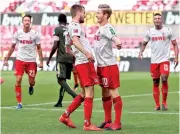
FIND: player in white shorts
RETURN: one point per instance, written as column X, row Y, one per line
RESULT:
column 160, row 39
column 27, row 40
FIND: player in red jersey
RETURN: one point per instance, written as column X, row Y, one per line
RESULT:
column 107, row 69
column 27, row 40
column 160, row 39
column 85, row 69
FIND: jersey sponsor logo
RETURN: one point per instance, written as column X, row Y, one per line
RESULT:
column 26, row 41
column 158, row 38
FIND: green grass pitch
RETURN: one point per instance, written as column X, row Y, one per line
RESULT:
column 38, row 115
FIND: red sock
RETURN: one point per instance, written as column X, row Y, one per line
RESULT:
column 88, row 104
column 164, row 91
column 75, row 78
column 156, row 93
column 118, row 109
column 18, row 93
column 74, row 105
column 107, row 105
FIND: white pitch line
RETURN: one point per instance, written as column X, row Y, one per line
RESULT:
column 141, row 95
column 46, row 109
column 96, row 99
column 153, row 113
column 81, row 110
column 40, row 104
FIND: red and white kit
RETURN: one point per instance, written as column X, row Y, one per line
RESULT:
column 26, row 53
column 160, row 41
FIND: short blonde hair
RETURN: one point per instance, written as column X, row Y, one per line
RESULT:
column 75, row 8
column 106, row 9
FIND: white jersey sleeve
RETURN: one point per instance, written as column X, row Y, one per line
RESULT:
column 75, row 31
column 109, row 32
column 15, row 38
column 37, row 39
column 147, row 37
column 172, row 37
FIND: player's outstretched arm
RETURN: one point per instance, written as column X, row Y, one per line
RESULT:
column 142, row 48
column 53, row 50
column 39, row 49
column 176, row 52
column 11, row 50
column 80, row 47
column 117, row 41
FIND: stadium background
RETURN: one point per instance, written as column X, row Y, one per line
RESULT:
column 130, row 19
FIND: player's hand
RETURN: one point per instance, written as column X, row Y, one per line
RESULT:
column 140, row 56
column 118, row 46
column 5, row 63
column 175, row 62
column 40, row 65
column 90, row 57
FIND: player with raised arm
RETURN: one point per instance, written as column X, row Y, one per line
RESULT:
column 27, row 40
column 84, row 65
column 160, row 39
column 64, row 61
column 107, row 69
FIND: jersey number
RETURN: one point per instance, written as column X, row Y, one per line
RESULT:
column 105, row 81
column 32, row 73
column 166, row 68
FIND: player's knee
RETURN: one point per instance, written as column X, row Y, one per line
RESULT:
column 164, row 78
column 156, row 82
column 89, row 91
column 61, row 80
column 18, row 80
column 105, row 92
column 82, row 94
column 114, row 93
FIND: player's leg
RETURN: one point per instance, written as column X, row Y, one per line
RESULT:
column 31, row 70
column 88, row 106
column 75, row 79
column 107, row 106
column 19, row 71
column 106, row 100
column 65, row 117
column 114, row 83
column 61, row 75
column 61, row 96
column 164, row 69
column 117, row 102
column 88, row 78
column 155, row 74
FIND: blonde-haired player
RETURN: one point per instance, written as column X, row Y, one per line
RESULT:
column 107, row 69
